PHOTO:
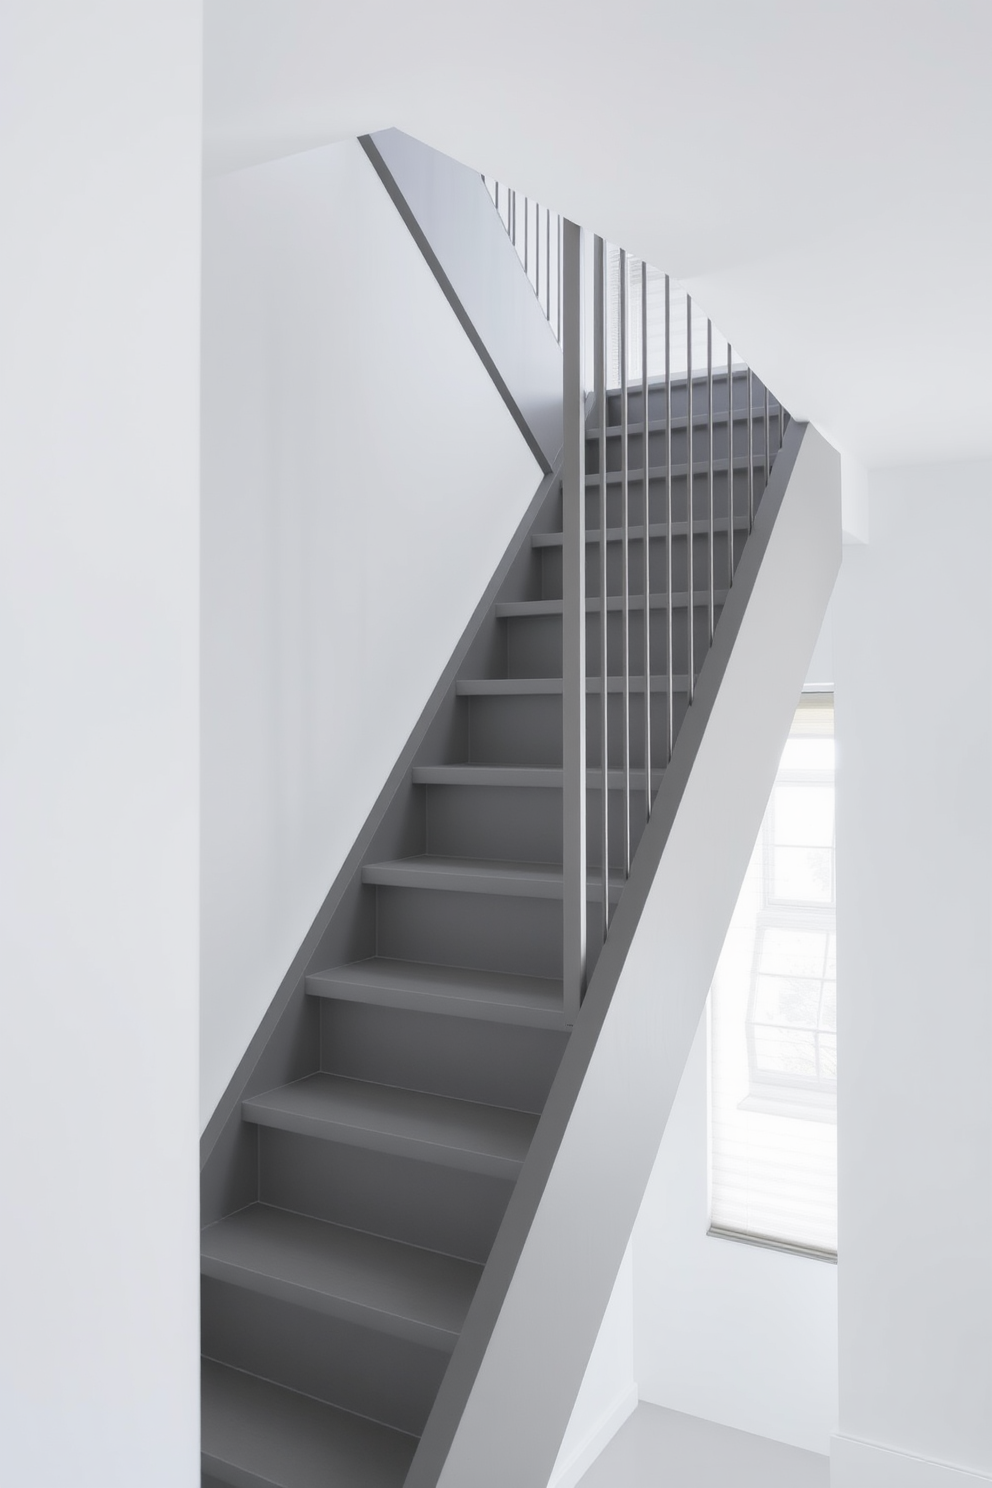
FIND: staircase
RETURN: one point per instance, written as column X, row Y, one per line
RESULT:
column 356, row 1184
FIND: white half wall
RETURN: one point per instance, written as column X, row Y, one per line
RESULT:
column 361, row 479
column 99, row 290
column 914, row 876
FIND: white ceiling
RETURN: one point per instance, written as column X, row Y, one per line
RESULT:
column 819, row 175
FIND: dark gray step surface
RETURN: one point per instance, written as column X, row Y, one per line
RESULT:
column 523, row 776
column 551, row 686
column 535, row 1002
column 700, row 420
column 525, row 608
column 405, row 1123
column 259, row 1435
column 699, row 467
column 482, row 876
column 700, row 528
column 397, row 1289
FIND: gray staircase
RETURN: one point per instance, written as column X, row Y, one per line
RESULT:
column 359, row 1169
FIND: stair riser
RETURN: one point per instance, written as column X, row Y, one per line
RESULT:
column 680, row 506
column 551, row 585
column 496, row 1064
column 527, row 730
column 420, row 1203
column 357, row 1368
column 533, row 642
column 657, row 449
column 486, row 822
column 680, row 397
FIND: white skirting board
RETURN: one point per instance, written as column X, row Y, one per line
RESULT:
column 859, row 1464
column 568, row 1473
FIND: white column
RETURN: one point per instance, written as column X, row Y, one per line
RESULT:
column 99, row 275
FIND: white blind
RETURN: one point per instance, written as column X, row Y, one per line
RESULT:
column 772, row 1017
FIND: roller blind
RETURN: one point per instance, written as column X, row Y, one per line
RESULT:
column 772, row 1014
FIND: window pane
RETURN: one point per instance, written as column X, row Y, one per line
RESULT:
column 773, row 1045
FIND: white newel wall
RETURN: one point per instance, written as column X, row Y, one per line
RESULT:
column 99, row 299
column 361, row 480
column 914, row 876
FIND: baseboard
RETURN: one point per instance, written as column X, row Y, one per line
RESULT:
column 585, row 1452
column 860, row 1464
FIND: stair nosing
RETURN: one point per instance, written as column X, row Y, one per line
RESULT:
column 444, row 991
column 501, row 877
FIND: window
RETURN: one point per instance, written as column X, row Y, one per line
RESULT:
column 772, row 1015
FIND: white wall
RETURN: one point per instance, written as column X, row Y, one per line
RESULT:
column 99, row 278
column 733, row 1333
column 362, row 478
column 608, row 1392
column 914, row 874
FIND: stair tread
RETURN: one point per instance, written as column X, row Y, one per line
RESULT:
column 700, row 527
column 699, row 467
column 536, row 686
column 522, row 776
column 389, row 1119
column 399, row 1289
column 482, row 875
column 536, row 1001
column 517, row 608
column 263, row 1435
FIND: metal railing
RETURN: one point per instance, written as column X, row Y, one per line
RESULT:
column 646, row 344
column 677, row 472
column 536, row 234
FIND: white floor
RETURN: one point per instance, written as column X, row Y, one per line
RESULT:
column 657, row 1448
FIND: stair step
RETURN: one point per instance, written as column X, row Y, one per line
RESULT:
column 524, row 608
column 533, row 1002
column 259, row 1435
column 406, row 1123
column 397, row 1289
column 680, row 420
column 700, row 528
column 523, row 777
column 538, row 686
column 699, row 467
column 482, row 876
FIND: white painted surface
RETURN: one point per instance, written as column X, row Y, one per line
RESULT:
column 724, row 1331
column 914, row 877
column 660, row 1448
column 362, row 478
column 631, row 1061
column 866, row 1466
column 797, row 145
column 609, row 1392
column 99, row 1287
column 732, row 1333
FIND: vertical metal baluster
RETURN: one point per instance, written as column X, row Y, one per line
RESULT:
column 781, row 423
column 710, row 577
column 497, row 196
column 730, row 466
column 625, row 559
column 750, row 450
column 670, row 649
column 647, row 540
column 559, row 233
column 768, row 453
column 537, row 251
column 689, row 482
column 547, row 265
column 526, row 236
column 602, row 363
column 511, row 208
column 573, row 639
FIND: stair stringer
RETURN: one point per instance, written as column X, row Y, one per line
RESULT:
column 505, row 1402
